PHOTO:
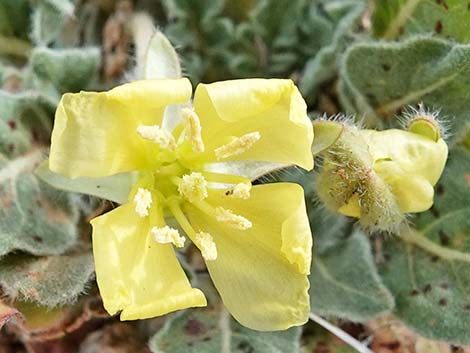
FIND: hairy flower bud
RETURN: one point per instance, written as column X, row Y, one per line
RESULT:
column 379, row 176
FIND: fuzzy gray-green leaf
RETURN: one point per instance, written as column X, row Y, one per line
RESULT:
column 50, row 281
column 449, row 18
column 339, row 19
column 48, row 19
column 344, row 282
column 69, row 70
column 379, row 79
column 33, row 216
column 429, row 273
column 212, row 330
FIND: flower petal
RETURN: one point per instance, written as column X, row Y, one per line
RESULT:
column 410, row 163
column 261, row 272
column 95, row 133
column 411, row 153
column 273, row 107
column 136, row 274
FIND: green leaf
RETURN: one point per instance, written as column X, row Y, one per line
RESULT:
column 213, row 330
column 447, row 18
column 15, row 139
column 69, row 70
column 23, row 118
column 379, row 79
column 33, row 216
column 48, row 20
column 115, row 188
column 344, row 282
column 340, row 20
column 429, row 271
column 50, row 281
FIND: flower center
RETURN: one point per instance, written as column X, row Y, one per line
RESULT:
column 175, row 180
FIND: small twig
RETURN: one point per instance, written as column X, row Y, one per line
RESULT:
column 342, row 335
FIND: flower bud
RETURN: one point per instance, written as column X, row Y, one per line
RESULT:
column 379, row 176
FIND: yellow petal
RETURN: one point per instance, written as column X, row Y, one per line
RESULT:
column 413, row 193
column 261, row 272
column 95, row 133
column 136, row 274
column 411, row 153
column 274, row 108
column 410, row 163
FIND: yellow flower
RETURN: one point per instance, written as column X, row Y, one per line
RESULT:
column 195, row 166
column 409, row 163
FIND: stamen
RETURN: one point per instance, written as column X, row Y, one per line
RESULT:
column 238, row 146
column 232, row 219
column 193, row 187
column 167, row 235
column 192, row 129
column 143, row 201
column 158, row 135
column 241, row 191
column 206, row 244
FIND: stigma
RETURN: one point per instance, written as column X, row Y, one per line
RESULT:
column 193, row 187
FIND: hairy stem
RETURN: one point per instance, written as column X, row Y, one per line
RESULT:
column 424, row 243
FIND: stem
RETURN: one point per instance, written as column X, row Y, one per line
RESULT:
column 14, row 46
column 424, row 243
column 342, row 335
column 400, row 20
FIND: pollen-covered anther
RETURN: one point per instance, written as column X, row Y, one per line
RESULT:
column 241, row 191
column 193, row 186
column 142, row 201
column 166, row 235
column 238, row 146
column 158, row 135
column 206, row 244
column 192, row 129
column 232, row 219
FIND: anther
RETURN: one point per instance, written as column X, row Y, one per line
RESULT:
column 142, row 201
column 206, row 244
column 193, row 186
column 158, row 135
column 166, row 235
column 232, row 219
column 241, row 191
column 237, row 146
column 192, row 129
